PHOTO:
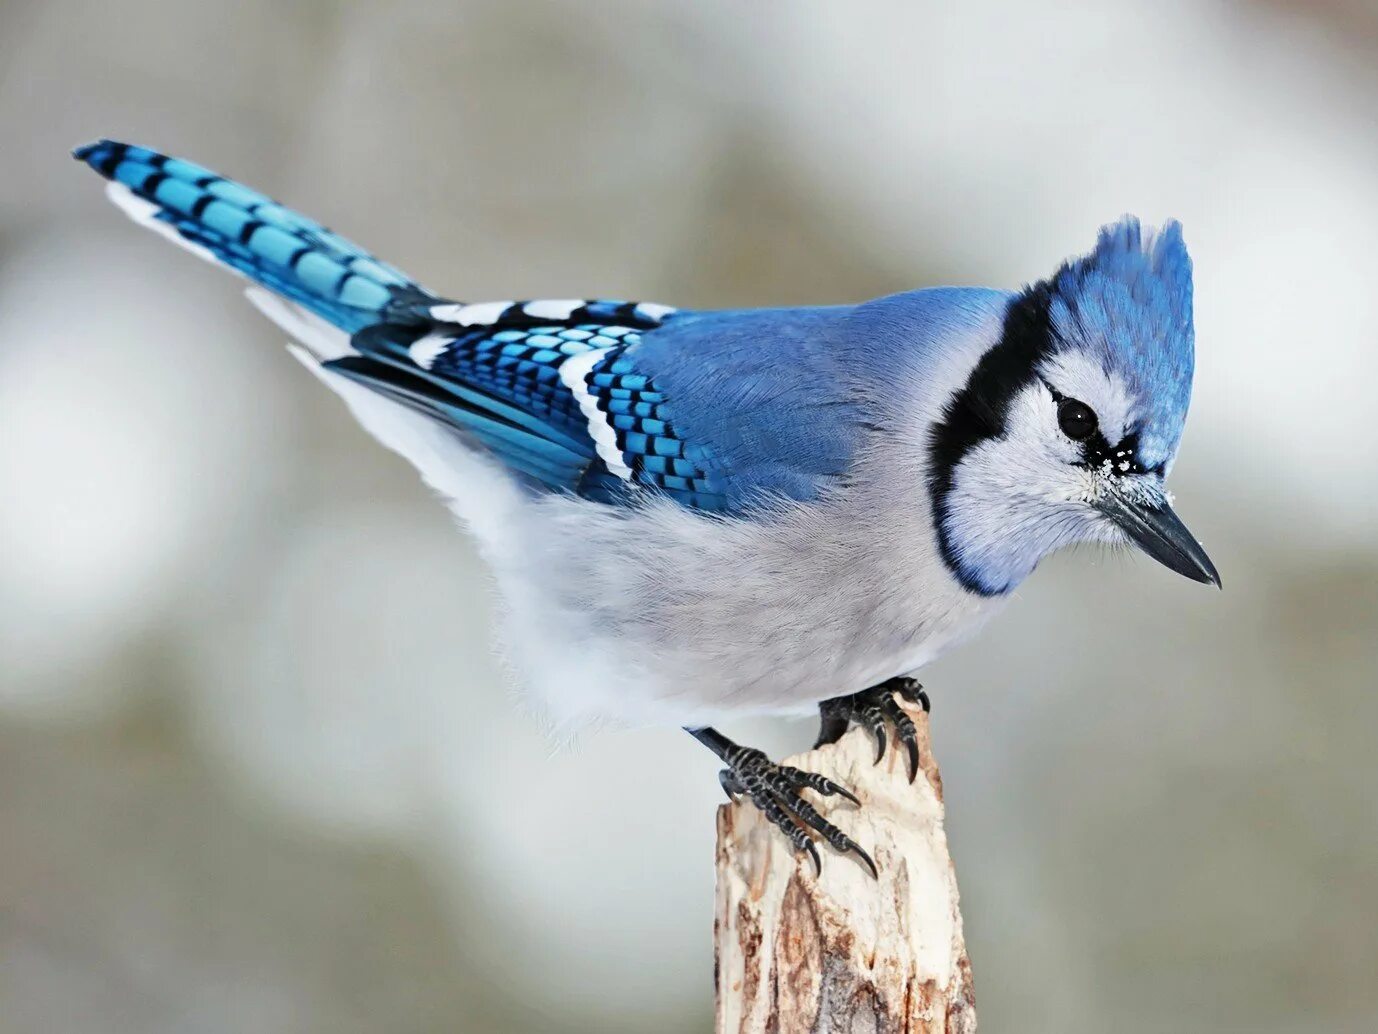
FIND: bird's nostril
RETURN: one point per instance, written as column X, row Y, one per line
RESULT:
column 1115, row 460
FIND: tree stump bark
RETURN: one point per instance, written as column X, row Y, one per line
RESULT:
column 842, row 951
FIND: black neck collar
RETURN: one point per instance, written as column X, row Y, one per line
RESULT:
column 978, row 412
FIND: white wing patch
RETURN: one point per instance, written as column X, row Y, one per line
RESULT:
column 553, row 309
column 572, row 373
column 485, row 314
column 425, row 351
column 482, row 314
column 654, row 311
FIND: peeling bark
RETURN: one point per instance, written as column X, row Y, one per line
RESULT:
column 844, row 952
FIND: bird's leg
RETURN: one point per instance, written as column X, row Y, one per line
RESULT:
column 774, row 790
column 873, row 709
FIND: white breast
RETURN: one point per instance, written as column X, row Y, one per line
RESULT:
column 664, row 615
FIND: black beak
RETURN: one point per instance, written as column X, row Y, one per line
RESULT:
column 1161, row 534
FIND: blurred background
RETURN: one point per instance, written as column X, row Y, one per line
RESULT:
column 258, row 771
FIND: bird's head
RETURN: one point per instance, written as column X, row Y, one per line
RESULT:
column 1066, row 429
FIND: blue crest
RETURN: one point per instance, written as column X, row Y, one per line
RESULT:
column 1129, row 302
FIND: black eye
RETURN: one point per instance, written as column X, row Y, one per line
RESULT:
column 1076, row 419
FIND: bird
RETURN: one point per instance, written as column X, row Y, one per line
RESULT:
column 696, row 515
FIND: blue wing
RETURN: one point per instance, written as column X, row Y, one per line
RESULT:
column 602, row 434
column 719, row 411
column 499, row 384
column 594, row 397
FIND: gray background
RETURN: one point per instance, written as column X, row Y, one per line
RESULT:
column 257, row 769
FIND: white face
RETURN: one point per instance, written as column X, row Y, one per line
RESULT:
column 1031, row 491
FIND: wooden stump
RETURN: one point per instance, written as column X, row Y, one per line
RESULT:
column 844, row 952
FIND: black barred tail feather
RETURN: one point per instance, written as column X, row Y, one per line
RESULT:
column 227, row 222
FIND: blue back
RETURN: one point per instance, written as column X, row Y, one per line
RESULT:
column 784, row 397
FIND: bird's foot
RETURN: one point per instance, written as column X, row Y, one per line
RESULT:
column 775, row 791
column 873, row 709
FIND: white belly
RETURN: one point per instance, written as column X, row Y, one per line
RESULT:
column 664, row 615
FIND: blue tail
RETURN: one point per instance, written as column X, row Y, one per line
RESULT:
column 267, row 243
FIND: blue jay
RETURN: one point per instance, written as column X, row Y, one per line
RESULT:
column 700, row 514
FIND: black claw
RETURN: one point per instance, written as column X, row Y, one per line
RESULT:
column 774, row 790
column 831, row 789
column 905, row 729
column 874, row 709
column 837, row 840
column 875, row 873
column 870, row 715
column 913, row 692
column 822, row 784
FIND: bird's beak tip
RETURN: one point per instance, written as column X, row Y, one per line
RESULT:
column 1210, row 576
column 1158, row 531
